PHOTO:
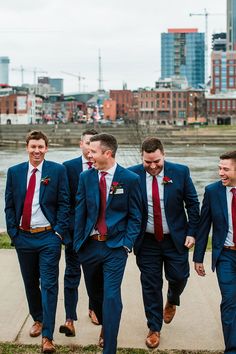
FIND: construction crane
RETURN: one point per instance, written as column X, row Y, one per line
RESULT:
column 205, row 14
column 35, row 71
column 79, row 77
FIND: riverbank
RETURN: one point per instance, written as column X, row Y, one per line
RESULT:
column 69, row 134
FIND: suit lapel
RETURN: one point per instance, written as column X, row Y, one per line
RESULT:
column 94, row 180
column 45, row 173
column 223, row 200
column 168, row 173
column 23, row 178
column 116, row 178
column 144, row 186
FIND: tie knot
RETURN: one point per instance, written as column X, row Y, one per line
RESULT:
column 34, row 170
column 233, row 190
column 103, row 174
column 90, row 164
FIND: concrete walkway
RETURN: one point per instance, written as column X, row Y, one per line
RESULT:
column 196, row 325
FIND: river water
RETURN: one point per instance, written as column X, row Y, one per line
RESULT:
column 202, row 161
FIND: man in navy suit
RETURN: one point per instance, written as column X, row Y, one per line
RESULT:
column 72, row 272
column 219, row 210
column 107, row 223
column 37, row 195
column 167, row 233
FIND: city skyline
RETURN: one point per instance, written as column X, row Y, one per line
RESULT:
column 65, row 36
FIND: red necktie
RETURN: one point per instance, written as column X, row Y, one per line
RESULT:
column 158, row 229
column 90, row 164
column 101, row 222
column 27, row 209
column 233, row 210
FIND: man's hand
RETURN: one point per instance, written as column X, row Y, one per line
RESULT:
column 199, row 267
column 189, row 242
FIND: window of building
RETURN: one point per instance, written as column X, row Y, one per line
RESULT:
column 158, row 104
column 146, row 104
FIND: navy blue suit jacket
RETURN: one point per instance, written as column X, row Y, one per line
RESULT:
column 123, row 211
column 213, row 212
column 54, row 197
column 74, row 168
column 178, row 196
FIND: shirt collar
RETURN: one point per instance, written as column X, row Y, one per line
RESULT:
column 84, row 160
column 161, row 174
column 111, row 170
column 39, row 167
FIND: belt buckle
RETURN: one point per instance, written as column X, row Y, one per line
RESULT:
column 99, row 237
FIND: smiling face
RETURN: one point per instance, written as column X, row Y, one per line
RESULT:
column 36, row 150
column 102, row 158
column 227, row 172
column 153, row 162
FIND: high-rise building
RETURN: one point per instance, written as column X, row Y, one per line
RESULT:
column 57, row 84
column 231, row 24
column 219, row 41
column 182, row 54
column 4, row 70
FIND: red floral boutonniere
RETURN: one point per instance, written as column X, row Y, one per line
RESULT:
column 116, row 187
column 166, row 180
column 45, row 180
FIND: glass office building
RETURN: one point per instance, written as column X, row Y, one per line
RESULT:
column 182, row 54
column 4, row 70
column 231, row 24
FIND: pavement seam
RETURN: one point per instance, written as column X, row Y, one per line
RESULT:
column 16, row 340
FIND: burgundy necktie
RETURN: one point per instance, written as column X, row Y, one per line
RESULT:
column 158, row 229
column 233, row 210
column 101, row 222
column 27, row 209
column 90, row 164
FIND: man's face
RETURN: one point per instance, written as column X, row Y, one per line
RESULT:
column 84, row 145
column 153, row 162
column 227, row 172
column 99, row 157
column 36, row 150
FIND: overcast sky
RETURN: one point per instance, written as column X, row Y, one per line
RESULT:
column 65, row 35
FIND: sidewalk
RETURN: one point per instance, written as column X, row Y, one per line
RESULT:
column 196, row 325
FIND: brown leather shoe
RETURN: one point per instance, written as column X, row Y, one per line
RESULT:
column 68, row 328
column 153, row 339
column 169, row 312
column 93, row 317
column 36, row 329
column 47, row 345
column 101, row 340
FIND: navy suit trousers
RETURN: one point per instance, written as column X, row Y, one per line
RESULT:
column 71, row 282
column 151, row 258
column 104, row 269
column 39, row 256
column 226, row 274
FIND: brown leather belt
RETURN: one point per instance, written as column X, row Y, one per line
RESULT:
column 233, row 248
column 98, row 237
column 37, row 229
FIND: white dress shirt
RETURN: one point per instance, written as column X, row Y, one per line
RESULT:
column 150, row 222
column 37, row 217
column 229, row 237
column 84, row 164
column 109, row 177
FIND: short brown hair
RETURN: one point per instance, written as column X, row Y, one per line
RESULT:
column 36, row 135
column 89, row 132
column 151, row 144
column 230, row 155
column 108, row 142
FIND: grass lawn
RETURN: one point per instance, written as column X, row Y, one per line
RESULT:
column 5, row 242
column 8, row 348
